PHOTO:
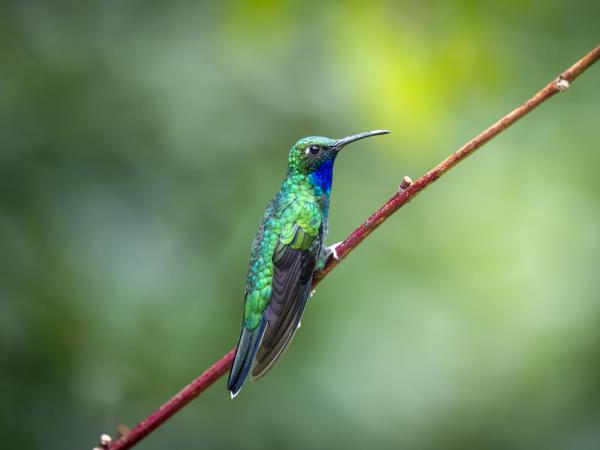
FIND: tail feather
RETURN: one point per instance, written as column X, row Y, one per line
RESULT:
column 244, row 356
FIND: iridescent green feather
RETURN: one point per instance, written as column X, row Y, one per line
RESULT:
column 286, row 251
column 293, row 218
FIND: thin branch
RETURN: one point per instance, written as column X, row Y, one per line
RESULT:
column 403, row 196
column 408, row 190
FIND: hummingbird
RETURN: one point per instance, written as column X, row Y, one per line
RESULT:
column 287, row 250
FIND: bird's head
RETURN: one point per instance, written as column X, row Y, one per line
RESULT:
column 311, row 153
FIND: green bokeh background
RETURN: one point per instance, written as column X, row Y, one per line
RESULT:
column 140, row 143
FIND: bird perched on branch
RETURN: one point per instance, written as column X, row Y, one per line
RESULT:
column 287, row 250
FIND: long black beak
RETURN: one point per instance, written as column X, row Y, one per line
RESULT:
column 355, row 137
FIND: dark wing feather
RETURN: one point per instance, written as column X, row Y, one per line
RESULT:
column 292, row 277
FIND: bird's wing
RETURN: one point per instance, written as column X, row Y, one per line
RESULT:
column 293, row 266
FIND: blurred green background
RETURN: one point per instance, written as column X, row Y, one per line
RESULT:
column 140, row 143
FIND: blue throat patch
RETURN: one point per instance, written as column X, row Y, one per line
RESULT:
column 323, row 176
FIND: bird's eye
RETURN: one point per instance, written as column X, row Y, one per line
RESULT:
column 314, row 149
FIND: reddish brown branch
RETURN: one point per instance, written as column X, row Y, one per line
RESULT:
column 407, row 192
column 182, row 398
column 403, row 196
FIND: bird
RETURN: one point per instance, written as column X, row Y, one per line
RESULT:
column 287, row 250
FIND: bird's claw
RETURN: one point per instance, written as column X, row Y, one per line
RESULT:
column 326, row 254
column 332, row 251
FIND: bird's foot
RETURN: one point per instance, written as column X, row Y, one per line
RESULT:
column 331, row 251
column 326, row 253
